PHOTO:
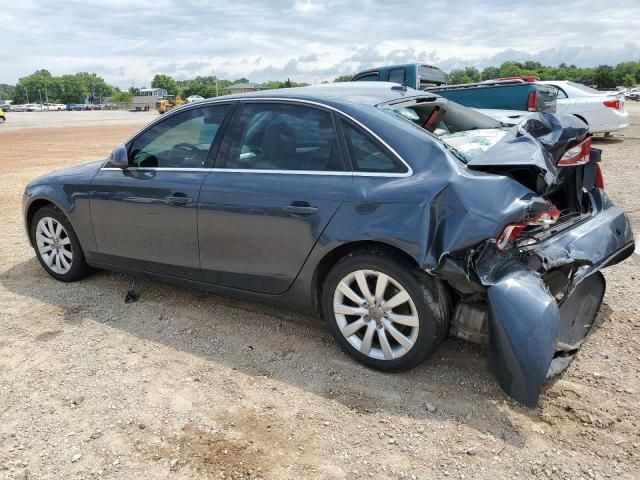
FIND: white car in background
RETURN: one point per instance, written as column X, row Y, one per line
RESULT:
column 54, row 107
column 194, row 98
column 33, row 107
column 602, row 111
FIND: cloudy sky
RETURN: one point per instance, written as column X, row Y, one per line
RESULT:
column 128, row 41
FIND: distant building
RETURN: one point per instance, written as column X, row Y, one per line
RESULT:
column 152, row 92
column 245, row 87
column 146, row 98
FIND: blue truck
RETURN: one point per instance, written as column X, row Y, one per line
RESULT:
column 507, row 94
column 414, row 75
column 502, row 94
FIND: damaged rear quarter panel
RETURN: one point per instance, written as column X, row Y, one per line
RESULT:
column 445, row 214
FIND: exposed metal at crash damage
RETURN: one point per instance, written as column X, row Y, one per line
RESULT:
column 533, row 295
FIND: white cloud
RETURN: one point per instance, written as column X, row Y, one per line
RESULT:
column 308, row 7
column 306, row 40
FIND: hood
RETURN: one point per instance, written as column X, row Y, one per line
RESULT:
column 78, row 172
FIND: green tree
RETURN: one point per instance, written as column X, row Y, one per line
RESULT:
column 489, row 73
column 7, row 92
column 457, row 76
column 472, row 73
column 166, row 82
column 629, row 80
column 35, row 87
column 73, row 90
column 121, row 96
column 603, row 77
column 343, row 78
column 95, row 86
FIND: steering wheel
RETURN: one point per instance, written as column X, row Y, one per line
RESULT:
column 183, row 153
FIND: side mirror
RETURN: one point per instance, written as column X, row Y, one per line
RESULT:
column 119, row 157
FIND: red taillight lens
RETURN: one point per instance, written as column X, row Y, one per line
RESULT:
column 513, row 230
column 532, row 101
column 599, row 181
column 578, row 155
column 612, row 103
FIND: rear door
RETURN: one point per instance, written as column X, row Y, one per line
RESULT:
column 278, row 181
column 145, row 216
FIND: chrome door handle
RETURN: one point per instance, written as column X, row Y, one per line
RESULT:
column 301, row 209
column 180, row 199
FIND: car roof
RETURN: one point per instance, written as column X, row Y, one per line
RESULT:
column 334, row 94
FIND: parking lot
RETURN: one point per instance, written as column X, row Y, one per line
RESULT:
column 185, row 384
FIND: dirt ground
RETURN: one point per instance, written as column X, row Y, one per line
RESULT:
column 183, row 384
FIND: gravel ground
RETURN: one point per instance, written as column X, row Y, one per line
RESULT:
column 183, row 384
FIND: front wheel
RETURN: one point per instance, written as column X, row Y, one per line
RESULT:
column 57, row 245
column 383, row 312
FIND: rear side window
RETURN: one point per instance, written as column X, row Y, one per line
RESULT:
column 278, row 136
column 397, row 75
column 367, row 155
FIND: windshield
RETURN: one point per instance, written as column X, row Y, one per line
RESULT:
column 584, row 88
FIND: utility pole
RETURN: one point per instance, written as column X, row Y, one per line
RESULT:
column 46, row 96
column 216, row 86
column 40, row 94
column 26, row 90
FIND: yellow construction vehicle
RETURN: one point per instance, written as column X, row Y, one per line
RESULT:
column 168, row 103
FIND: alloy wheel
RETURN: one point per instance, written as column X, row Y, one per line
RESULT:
column 54, row 245
column 376, row 314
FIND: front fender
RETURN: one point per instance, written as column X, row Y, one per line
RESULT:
column 72, row 201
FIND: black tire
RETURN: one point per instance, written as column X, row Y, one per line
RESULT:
column 428, row 296
column 79, row 267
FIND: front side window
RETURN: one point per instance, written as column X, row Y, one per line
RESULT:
column 368, row 77
column 367, row 155
column 181, row 140
column 280, row 136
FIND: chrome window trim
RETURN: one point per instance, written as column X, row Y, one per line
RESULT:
column 158, row 169
column 255, row 170
column 264, row 99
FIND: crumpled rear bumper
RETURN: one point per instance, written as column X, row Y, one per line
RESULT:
column 543, row 301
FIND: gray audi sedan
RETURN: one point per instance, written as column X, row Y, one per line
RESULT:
column 397, row 215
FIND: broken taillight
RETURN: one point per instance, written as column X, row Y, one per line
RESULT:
column 532, row 101
column 578, row 155
column 612, row 103
column 599, row 180
column 513, row 230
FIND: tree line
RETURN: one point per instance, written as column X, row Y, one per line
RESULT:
column 603, row 76
column 42, row 86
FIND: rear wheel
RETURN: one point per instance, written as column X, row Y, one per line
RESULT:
column 383, row 312
column 57, row 246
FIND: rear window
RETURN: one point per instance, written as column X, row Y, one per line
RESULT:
column 397, row 75
column 584, row 88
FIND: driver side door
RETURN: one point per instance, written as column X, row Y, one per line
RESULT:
column 145, row 216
